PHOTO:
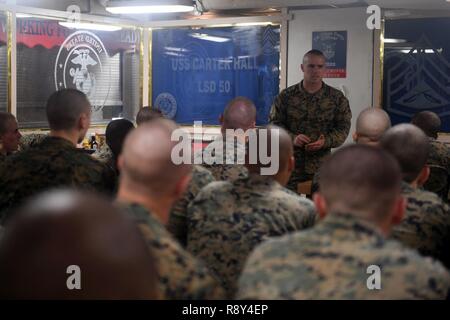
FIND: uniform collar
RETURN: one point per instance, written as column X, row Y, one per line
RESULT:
column 63, row 143
column 353, row 225
column 255, row 179
column 318, row 94
column 406, row 187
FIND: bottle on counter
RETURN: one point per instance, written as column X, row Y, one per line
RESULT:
column 93, row 143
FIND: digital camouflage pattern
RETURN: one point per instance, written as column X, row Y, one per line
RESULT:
column 227, row 167
column 227, row 220
column 439, row 162
column 330, row 261
column 325, row 112
column 30, row 140
column 177, row 224
column 180, row 275
column 105, row 156
column 426, row 225
column 53, row 163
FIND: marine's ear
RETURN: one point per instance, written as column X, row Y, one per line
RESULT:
column 423, row 175
column 321, row 204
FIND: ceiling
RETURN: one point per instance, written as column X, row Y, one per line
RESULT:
column 227, row 8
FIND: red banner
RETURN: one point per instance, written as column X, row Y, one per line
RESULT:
column 3, row 36
column 49, row 34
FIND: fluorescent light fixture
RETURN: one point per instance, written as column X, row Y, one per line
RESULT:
column 23, row 15
column 207, row 37
column 149, row 9
column 426, row 51
column 220, row 25
column 396, row 13
column 394, row 40
column 89, row 26
column 155, row 6
column 244, row 24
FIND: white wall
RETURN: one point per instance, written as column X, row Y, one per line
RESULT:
column 359, row 51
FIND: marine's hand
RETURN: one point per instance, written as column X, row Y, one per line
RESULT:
column 316, row 145
column 301, row 140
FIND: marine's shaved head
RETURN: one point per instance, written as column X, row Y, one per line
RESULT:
column 410, row 146
column 371, row 124
column 64, row 228
column 315, row 53
column 146, row 162
column 5, row 118
column 360, row 180
column 64, row 107
column 148, row 114
column 240, row 113
column 428, row 121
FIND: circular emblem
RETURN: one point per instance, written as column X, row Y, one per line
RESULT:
column 81, row 64
column 167, row 104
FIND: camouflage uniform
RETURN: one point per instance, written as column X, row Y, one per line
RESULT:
column 54, row 163
column 439, row 179
column 330, row 261
column 426, row 225
column 325, row 112
column 30, row 140
column 177, row 224
column 229, row 169
column 104, row 155
column 180, row 275
column 3, row 158
column 227, row 220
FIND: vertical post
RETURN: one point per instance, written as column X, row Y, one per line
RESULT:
column 284, row 50
column 377, row 72
column 381, row 61
column 150, row 67
column 376, row 34
column 144, row 55
column 12, row 58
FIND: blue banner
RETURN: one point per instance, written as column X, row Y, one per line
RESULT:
column 333, row 44
column 197, row 72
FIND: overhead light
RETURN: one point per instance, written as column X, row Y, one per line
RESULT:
column 89, row 26
column 23, row 15
column 155, row 6
column 207, row 37
column 220, row 25
column 396, row 13
column 425, row 51
column 244, row 24
column 394, row 40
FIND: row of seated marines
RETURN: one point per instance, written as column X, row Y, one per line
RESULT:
column 129, row 223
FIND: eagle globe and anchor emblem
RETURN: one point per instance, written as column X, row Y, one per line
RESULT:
column 81, row 63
